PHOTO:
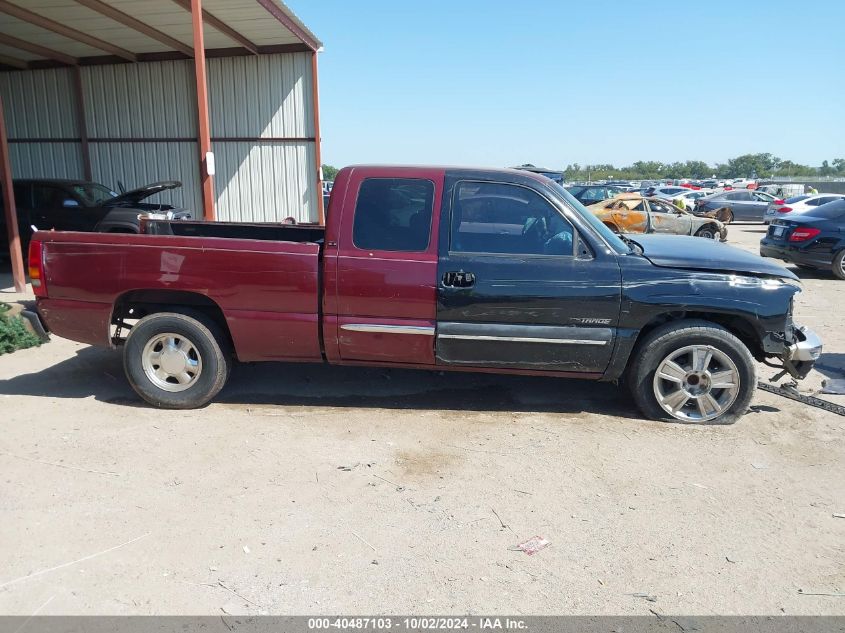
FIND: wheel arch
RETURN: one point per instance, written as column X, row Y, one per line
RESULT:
column 739, row 326
column 708, row 225
column 136, row 304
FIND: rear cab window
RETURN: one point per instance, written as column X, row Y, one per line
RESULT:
column 393, row 214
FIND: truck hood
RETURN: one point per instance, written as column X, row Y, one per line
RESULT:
column 142, row 193
column 698, row 253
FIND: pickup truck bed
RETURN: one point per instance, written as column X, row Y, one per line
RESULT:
column 267, row 290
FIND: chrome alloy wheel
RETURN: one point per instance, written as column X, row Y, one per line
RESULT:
column 696, row 383
column 171, row 362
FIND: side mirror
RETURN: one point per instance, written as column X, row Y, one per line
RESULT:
column 70, row 203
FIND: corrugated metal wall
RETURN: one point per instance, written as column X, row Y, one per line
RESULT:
column 138, row 164
column 152, row 107
column 141, row 122
column 265, row 182
column 46, row 160
column 267, row 97
column 39, row 104
column 151, row 100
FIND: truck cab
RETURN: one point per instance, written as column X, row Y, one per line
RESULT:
column 466, row 268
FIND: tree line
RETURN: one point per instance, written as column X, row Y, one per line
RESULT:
column 745, row 166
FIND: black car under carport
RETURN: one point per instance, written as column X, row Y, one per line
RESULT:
column 78, row 205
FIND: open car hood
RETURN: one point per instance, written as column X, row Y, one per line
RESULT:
column 141, row 193
column 698, row 253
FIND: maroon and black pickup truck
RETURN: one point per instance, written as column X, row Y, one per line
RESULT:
column 434, row 268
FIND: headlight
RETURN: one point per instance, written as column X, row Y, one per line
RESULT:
column 767, row 283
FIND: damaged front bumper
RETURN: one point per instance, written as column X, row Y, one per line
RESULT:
column 800, row 356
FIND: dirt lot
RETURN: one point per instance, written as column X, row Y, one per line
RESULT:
column 317, row 489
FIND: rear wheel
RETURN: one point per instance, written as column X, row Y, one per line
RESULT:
column 694, row 372
column 839, row 264
column 174, row 361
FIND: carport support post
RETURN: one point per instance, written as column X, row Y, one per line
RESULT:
column 315, row 97
column 9, row 206
column 203, row 126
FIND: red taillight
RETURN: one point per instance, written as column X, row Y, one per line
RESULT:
column 779, row 202
column 784, row 209
column 802, row 235
column 36, row 269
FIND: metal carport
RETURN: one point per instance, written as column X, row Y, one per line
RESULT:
column 121, row 90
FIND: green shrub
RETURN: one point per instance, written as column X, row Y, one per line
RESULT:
column 13, row 333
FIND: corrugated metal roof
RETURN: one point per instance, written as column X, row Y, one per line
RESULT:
column 249, row 18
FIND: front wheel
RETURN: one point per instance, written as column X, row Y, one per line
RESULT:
column 174, row 361
column 693, row 371
column 708, row 231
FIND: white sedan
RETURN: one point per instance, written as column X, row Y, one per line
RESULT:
column 798, row 205
column 691, row 195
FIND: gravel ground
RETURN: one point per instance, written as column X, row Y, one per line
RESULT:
column 308, row 489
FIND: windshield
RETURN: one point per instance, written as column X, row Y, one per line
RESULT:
column 609, row 236
column 92, row 194
column 795, row 199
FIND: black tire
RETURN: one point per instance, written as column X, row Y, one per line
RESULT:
column 207, row 344
column 673, row 337
column 839, row 264
column 708, row 231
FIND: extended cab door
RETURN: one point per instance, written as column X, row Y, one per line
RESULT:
column 381, row 266
column 518, row 287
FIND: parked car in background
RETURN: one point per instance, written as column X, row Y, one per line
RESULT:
column 743, row 183
column 666, row 191
column 782, row 190
column 557, row 176
column 798, row 205
column 689, row 197
column 590, row 194
column 631, row 213
column 744, row 205
column 813, row 240
column 76, row 205
column 625, row 185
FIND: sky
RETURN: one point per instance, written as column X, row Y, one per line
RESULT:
column 496, row 83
